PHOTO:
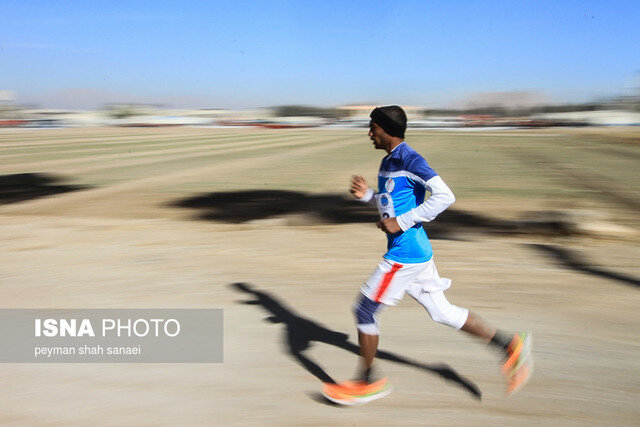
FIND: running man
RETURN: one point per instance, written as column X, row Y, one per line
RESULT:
column 408, row 267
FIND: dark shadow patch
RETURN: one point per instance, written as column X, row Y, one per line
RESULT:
column 572, row 260
column 248, row 205
column 238, row 207
column 301, row 333
column 454, row 219
column 27, row 186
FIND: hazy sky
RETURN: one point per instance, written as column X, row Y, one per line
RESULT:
column 260, row 53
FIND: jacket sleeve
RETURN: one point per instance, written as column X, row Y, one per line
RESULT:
column 440, row 198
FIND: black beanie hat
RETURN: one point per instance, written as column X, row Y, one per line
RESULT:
column 392, row 119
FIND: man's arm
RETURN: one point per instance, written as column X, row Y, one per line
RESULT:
column 440, row 199
column 360, row 189
column 363, row 193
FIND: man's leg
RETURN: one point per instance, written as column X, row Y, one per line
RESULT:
column 368, row 349
column 367, row 324
column 442, row 311
column 516, row 348
column 385, row 285
column 477, row 327
column 364, row 388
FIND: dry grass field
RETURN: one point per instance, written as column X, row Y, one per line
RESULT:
column 543, row 237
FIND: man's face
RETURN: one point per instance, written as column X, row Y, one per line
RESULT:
column 377, row 135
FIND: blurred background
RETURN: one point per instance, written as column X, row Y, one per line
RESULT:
column 158, row 154
column 320, row 63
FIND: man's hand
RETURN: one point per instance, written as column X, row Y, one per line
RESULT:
column 359, row 186
column 389, row 226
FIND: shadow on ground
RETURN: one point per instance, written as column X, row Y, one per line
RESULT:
column 574, row 261
column 27, row 186
column 301, row 333
column 249, row 205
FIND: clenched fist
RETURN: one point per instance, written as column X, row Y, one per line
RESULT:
column 389, row 226
column 359, row 186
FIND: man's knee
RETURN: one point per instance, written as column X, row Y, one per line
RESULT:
column 365, row 310
column 442, row 311
column 451, row 318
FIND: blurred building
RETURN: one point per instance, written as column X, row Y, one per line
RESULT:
column 595, row 118
column 361, row 112
column 505, row 100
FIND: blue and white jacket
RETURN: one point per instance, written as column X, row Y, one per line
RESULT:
column 403, row 180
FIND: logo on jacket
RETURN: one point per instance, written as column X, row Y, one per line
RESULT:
column 390, row 185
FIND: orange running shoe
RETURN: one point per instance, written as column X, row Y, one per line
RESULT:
column 518, row 366
column 356, row 392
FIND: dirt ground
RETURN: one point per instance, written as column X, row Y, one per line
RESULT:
column 127, row 239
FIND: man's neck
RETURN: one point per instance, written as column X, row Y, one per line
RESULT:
column 393, row 144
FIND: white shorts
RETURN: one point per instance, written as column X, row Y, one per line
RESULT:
column 391, row 280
